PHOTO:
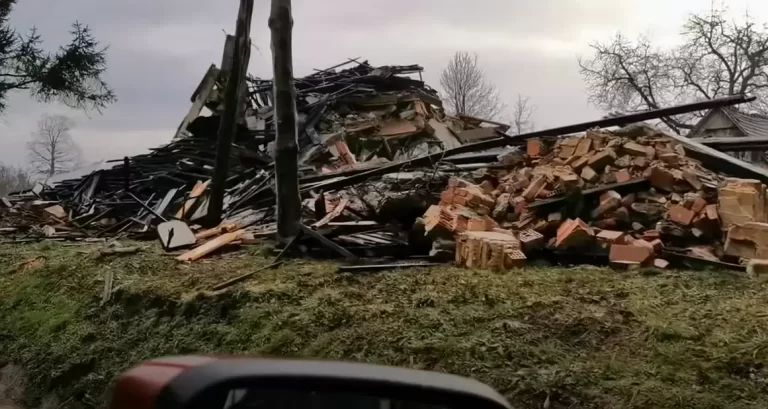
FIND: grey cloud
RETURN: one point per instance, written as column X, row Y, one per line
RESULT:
column 159, row 50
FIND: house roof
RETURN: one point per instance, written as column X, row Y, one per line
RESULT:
column 752, row 125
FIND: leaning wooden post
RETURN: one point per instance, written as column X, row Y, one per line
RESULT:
column 233, row 99
column 286, row 144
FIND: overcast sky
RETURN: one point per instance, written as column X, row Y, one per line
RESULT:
column 160, row 49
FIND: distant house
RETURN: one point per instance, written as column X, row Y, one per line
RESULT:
column 726, row 123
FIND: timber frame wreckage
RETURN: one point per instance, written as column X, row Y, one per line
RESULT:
column 387, row 179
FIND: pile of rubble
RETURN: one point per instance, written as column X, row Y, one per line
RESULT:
column 632, row 196
column 388, row 179
column 350, row 120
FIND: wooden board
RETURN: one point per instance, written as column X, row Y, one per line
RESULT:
column 217, row 231
column 211, row 246
column 336, row 212
column 197, row 191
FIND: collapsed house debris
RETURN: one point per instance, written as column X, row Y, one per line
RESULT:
column 389, row 180
column 351, row 120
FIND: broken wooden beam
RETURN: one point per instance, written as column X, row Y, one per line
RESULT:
column 211, row 246
column 217, row 231
column 336, row 212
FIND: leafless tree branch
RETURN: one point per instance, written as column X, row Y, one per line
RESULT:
column 523, row 112
column 467, row 91
column 717, row 58
column 52, row 149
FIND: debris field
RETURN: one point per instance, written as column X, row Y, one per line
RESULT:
column 389, row 180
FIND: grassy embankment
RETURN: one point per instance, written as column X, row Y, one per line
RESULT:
column 582, row 337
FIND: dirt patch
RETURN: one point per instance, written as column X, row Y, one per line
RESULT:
column 12, row 384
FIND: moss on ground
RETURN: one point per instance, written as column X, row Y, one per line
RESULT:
column 584, row 338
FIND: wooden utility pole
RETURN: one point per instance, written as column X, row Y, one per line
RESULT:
column 286, row 143
column 233, row 99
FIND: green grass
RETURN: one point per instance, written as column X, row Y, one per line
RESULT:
column 584, row 338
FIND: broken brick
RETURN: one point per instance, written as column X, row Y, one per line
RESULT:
column 581, row 162
column 630, row 254
column 531, row 240
column 662, row 179
column 749, row 240
column 608, row 237
column 699, row 205
column 589, row 174
column 533, row 189
column 602, row 159
column 567, row 152
column 535, row 148
column 623, row 176
column 640, row 162
column 643, row 243
column 570, row 180
column 584, row 146
column 607, row 205
column 574, row 233
column 635, row 149
column 514, row 259
column 670, row 158
column 741, row 201
column 692, row 179
column 681, row 215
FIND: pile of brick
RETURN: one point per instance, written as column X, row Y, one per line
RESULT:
column 669, row 201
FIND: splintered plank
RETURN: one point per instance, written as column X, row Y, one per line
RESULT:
column 211, row 246
column 336, row 212
column 207, row 234
column 196, row 192
column 202, row 93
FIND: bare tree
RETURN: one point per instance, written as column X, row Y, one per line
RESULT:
column 467, row 91
column 521, row 120
column 13, row 179
column 52, row 149
column 717, row 58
